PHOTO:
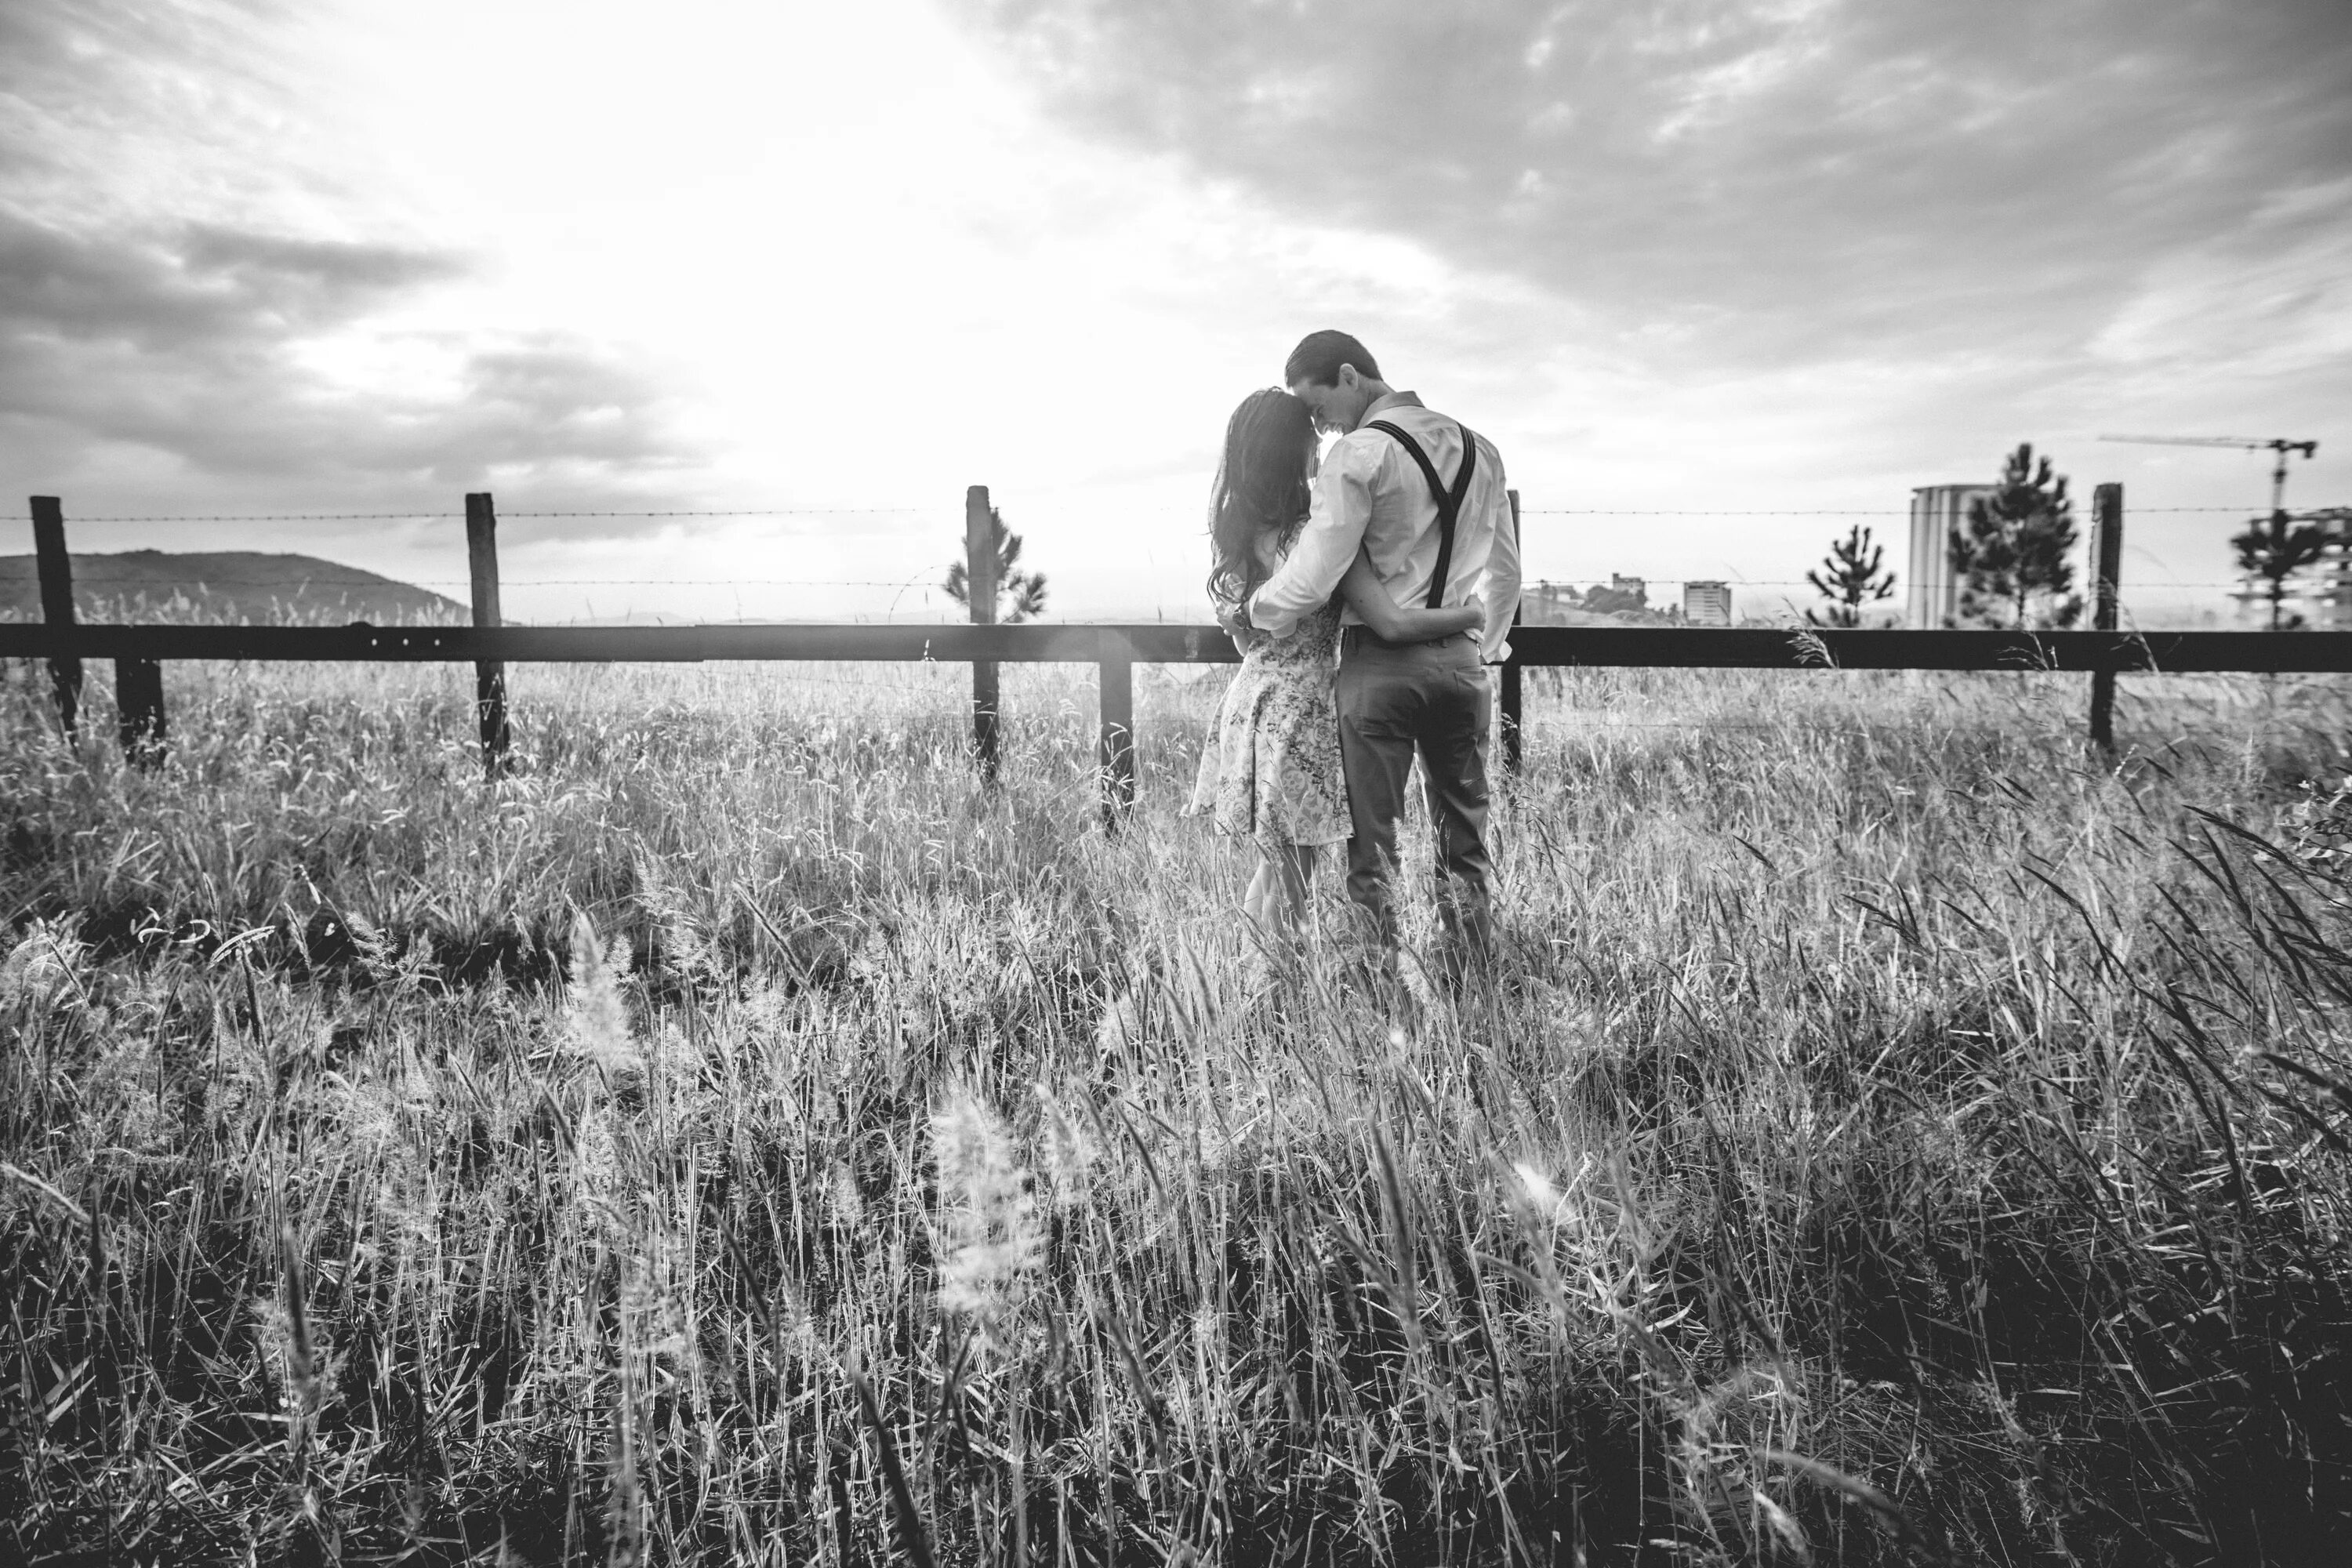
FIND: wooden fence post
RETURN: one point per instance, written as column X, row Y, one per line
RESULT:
column 1511, row 672
column 979, row 584
column 1116, row 684
column 139, row 710
column 490, row 674
column 2106, row 564
column 55, row 568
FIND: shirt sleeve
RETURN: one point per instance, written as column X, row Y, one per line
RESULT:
column 1310, row 574
column 1498, row 586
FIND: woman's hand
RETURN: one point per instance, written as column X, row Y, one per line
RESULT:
column 1245, row 637
column 1390, row 622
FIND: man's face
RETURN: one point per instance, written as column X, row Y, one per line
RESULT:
column 1336, row 407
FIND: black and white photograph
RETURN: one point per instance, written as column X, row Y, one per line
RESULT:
column 1176, row 783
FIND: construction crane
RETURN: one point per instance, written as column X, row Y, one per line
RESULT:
column 2283, row 447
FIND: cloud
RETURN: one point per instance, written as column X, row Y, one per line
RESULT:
column 1764, row 182
column 1686, row 252
column 108, row 104
column 199, row 285
column 216, row 348
column 207, row 289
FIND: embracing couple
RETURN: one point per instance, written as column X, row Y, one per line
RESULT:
column 1368, row 593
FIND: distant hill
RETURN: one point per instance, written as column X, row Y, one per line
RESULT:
column 223, row 585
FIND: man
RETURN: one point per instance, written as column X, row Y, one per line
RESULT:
column 1386, row 487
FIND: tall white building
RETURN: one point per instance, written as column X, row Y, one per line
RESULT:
column 1932, row 594
column 1706, row 603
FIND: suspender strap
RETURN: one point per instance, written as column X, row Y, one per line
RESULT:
column 1449, row 502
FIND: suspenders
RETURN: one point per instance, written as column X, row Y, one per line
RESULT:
column 1449, row 502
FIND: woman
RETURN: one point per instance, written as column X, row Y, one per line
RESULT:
column 1271, row 772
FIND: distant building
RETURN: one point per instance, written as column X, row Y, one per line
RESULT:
column 1546, row 604
column 2252, row 597
column 2328, row 602
column 1706, row 603
column 2321, row 594
column 1933, row 592
column 1624, row 596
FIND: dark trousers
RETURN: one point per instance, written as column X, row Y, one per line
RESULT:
column 1395, row 700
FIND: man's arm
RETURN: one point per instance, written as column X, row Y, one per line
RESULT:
column 1498, row 586
column 1326, row 546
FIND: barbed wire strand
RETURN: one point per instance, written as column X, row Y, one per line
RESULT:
column 427, row 516
column 1525, row 582
column 387, row 583
column 770, row 512
column 295, row 583
column 438, row 515
column 1622, row 512
column 274, row 517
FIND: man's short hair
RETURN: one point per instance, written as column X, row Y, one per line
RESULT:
column 1318, row 356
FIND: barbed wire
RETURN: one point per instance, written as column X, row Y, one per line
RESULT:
column 357, row 584
column 275, row 517
column 1833, row 512
column 83, row 579
column 389, row 583
column 700, row 582
column 444, row 515
column 2246, row 510
column 2128, row 586
column 768, row 511
column 1647, row 578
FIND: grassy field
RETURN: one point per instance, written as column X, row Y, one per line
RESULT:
column 1894, row 1133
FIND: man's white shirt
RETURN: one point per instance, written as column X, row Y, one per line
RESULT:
column 1370, row 490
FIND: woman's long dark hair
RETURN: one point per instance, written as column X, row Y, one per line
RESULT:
column 1262, row 486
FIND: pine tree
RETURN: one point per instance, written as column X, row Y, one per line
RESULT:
column 1018, row 594
column 2014, row 559
column 1854, row 579
column 2275, row 549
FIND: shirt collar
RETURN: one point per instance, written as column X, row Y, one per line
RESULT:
column 1387, row 401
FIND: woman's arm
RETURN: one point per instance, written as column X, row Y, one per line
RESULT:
column 1362, row 589
column 1245, row 637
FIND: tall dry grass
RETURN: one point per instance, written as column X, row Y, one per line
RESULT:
column 1893, row 1133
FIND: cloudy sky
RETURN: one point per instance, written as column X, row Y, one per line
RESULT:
column 834, row 263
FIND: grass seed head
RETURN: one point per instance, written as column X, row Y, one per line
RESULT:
column 600, row 1019
column 989, row 1244
column 44, row 967
column 1068, row 1150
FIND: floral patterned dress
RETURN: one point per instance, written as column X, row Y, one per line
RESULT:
column 1271, row 772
